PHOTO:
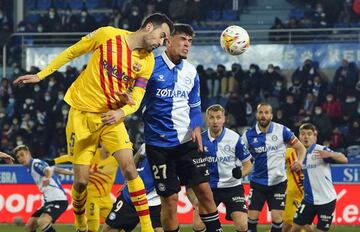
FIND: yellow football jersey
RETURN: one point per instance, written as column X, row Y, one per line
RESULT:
column 102, row 175
column 294, row 179
column 112, row 68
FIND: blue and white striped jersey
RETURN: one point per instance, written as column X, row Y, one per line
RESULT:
column 223, row 154
column 318, row 186
column 171, row 105
column 51, row 192
column 145, row 173
column 268, row 150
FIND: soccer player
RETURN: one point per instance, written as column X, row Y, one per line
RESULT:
column 172, row 119
column 121, row 64
column 101, row 179
column 123, row 215
column 319, row 192
column 48, row 182
column 229, row 161
column 294, row 190
column 267, row 142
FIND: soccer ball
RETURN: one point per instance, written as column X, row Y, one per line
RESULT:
column 235, row 40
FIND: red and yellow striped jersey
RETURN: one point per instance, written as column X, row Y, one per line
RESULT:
column 294, row 179
column 112, row 68
column 102, row 175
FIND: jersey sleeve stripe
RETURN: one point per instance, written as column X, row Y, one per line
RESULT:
column 141, row 82
column 129, row 73
column 292, row 140
column 119, row 61
column 109, row 67
column 195, row 104
column 102, row 78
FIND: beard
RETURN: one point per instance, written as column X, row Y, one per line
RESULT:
column 264, row 123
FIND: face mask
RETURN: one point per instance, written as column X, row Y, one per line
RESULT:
column 21, row 29
column 252, row 70
column 1, row 15
column 11, row 100
column 19, row 142
column 51, row 15
column 47, row 98
column 141, row 129
column 64, row 112
column 270, row 70
column 31, row 124
column 125, row 26
column 135, row 13
column 16, row 71
column 28, row 101
column 36, row 88
column 350, row 99
column 2, row 115
column 60, row 97
column 317, row 112
column 40, row 29
column 312, row 71
column 279, row 84
column 329, row 98
column 83, row 14
column 51, row 83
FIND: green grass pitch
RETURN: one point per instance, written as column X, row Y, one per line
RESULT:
column 184, row 228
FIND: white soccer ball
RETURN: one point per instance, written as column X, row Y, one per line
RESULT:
column 235, row 40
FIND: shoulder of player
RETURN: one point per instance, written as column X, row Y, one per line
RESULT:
column 189, row 67
column 231, row 133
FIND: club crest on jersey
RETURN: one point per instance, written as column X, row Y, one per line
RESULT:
column 136, row 67
column 274, row 138
column 255, row 140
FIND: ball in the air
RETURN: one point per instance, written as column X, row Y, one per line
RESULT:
column 235, row 40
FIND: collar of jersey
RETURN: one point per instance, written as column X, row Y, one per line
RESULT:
column 170, row 64
column 30, row 164
column 219, row 138
column 258, row 131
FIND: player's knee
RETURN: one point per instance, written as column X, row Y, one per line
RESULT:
column 106, row 228
column 43, row 222
column 169, row 204
column 241, row 226
column 93, row 225
column 129, row 172
column 80, row 186
column 29, row 226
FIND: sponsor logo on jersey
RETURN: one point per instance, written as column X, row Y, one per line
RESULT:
column 172, row 93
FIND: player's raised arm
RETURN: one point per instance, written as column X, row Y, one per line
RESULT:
column 63, row 171
column 8, row 158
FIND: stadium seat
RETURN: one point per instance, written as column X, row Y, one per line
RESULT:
column 229, row 15
column 214, row 15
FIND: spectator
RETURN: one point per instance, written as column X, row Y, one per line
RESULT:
column 320, row 120
column 348, row 74
column 87, row 22
column 51, row 21
column 277, row 36
column 252, row 81
column 349, row 106
column 236, row 107
column 319, row 88
column 332, row 108
column 289, row 109
column 69, row 21
column 352, row 137
column 309, row 104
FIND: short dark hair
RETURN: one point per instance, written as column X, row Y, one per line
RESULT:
column 157, row 19
column 20, row 148
column 308, row 126
column 182, row 28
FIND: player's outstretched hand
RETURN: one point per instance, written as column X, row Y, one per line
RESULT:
column 8, row 158
column 26, row 79
column 125, row 99
column 112, row 116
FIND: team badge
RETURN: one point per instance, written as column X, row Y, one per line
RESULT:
column 274, row 138
column 112, row 216
column 161, row 187
column 136, row 67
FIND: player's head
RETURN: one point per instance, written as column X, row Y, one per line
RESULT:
column 215, row 118
column 22, row 154
column 180, row 41
column 157, row 28
column 307, row 134
column 264, row 114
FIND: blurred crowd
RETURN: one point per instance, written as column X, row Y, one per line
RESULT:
column 317, row 14
column 36, row 114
